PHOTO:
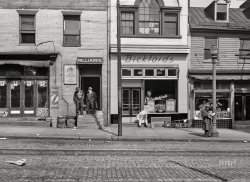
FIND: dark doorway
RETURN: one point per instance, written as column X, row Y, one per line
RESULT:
column 94, row 82
column 242, row 107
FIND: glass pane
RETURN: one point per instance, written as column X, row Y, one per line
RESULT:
column 137, row 72
column 72, row 27
column 29, row 71
column 209, row 42
column 28, row 38
column 221, row 16
column 3, row 94
column 72, row 39
column 42, row 71
column 28, row 22
column 160, row 72
column 149, row 72
column 29, row 94
column 42, row 93
column 221, row 8
column 172, row 72
column 125, row 102
column 170, row 29
column 238, row 108
column 244, row 44
column 2, row 71
column 136, row 102
column 126, row 72
column 207, row 54
column 15, row 94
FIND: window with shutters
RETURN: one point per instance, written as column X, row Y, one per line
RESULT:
column 27, row 29
column 72, row 29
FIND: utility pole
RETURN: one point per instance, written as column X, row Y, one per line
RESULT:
column 119, row 69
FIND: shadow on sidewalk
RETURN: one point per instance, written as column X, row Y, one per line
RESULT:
column 108, row 131
column 192, row 133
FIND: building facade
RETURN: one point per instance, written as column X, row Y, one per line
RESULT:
column 49, row 48
column 154, row 49
column 228, row 28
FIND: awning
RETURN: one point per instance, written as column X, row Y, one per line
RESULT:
column 221, row 77
column 26, row 63
column 28, row 59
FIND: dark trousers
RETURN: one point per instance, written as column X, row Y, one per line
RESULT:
column 79, row 107
column 91, row 107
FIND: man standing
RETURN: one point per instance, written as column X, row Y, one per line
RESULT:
column 78, row 98
column 207, row 120
column 91, row 101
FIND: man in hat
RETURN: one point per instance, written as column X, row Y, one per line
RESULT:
column 91, row 101
column 78, row 98
column 207, row 120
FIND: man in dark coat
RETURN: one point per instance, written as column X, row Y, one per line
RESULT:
column 78, row 98
column 207, row 120
column 91, row 101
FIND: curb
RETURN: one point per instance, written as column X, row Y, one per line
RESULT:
column 116, row 138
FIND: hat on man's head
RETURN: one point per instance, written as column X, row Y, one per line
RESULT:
column 90, row 88
column 77, row 88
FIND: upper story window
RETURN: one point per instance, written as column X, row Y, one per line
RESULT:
column 150, row 19
column 27, row 26
column 221, row 12
column 71, row 31
column 27, row 29
column 209, row 41
column 244, row 48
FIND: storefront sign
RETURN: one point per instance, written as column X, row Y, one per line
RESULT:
column 70, row 74
column 89, row 60
column 170, row 105
column 54, row 98
column 3, row 113
column 148, row 58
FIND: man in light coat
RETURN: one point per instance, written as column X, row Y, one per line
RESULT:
column 91, row 101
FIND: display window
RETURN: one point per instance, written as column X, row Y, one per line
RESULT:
column 160, row 95
column 222, row 109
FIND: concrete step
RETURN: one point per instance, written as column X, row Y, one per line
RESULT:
column 24, row 122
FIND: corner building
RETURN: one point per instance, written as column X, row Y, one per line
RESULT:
column 154, row 49
column 47, row 49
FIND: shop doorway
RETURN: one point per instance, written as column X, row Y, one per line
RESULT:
column 131, row 101
column 242, row 107
column 95, row 83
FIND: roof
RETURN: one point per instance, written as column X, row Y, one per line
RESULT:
column 237, row 20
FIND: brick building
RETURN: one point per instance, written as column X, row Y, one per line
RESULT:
column 47, row 48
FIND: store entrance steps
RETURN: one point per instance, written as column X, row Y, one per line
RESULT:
column 24, row 121
column 86, row 121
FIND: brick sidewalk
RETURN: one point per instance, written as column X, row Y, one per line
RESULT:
column 128, row 133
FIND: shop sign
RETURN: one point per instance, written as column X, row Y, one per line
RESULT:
column 148, row 59
column 54, row 98
column 3, row 113
column 89, row 60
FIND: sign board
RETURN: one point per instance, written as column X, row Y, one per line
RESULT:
column 70, row 74
column 54, row 99
column 170, row 105
column 151, row 104
column 89, row 60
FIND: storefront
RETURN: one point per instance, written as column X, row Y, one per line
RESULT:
column 163, row 75
column 232, row 93
column 24, row 85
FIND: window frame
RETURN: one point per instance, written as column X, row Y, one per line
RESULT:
column 227, row 12
column 217, row 44
column 26, row 13
column 244, row 56
column 163, row 10
column 76, row 44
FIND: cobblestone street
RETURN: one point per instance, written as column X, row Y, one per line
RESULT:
column 124, row 161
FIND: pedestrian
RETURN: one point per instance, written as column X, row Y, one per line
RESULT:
column 207, row 120
column 78, row 98
column 91, row 101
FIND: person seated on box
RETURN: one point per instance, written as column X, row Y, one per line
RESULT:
column 142, row 118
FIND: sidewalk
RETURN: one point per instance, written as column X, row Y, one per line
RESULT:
column 128, row 133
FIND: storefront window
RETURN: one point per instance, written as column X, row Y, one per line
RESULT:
column 42, row 71
column 126, row 72
column 162, row 92
column 3, row 94
column 138, row 72
column 172, row 72
column 223, row 109
column 160, row 72
column 15, row 94
column 2, row 71
column 29, row 94
column 149, row 72
column 42, row 93
column 29, row 71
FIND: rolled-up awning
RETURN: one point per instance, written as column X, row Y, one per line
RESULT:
column 221, row 77
column 28, row 59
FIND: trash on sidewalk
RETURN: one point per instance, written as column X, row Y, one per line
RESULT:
column 245, row 141
column 18, row 162
column 4, row 138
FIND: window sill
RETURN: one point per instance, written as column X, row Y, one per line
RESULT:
column 27, row 44
column 152, row 36
column 71, row 45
